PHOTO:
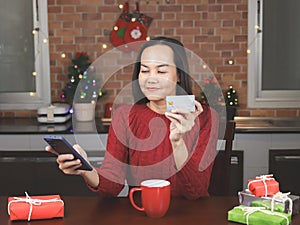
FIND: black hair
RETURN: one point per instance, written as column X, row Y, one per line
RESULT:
column 183, row 86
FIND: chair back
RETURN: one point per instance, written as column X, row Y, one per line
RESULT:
column 220, row 177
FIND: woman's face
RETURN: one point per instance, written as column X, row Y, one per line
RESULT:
column 158, row 75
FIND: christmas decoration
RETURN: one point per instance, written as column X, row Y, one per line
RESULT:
column 130, row 29
column 231, row 100
column 231, row 97
column 117, row 34
column 136, row 32
column 83, row 86
column 212, row 94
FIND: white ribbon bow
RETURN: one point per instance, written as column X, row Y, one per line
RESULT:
column 282, row 197
column 262, row 178
column 250, row 209
column 31, row 202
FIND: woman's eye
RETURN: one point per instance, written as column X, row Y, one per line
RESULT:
column 162, row 72
column 144, row 71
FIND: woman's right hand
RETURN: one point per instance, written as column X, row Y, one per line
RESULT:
column 67, row 163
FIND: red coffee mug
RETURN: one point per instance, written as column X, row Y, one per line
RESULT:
column 155, row 194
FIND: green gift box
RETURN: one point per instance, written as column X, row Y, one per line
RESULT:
column 257, row 216
column 267, row 204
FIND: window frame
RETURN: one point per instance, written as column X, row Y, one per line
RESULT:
column 258, row 98
column 42, row 96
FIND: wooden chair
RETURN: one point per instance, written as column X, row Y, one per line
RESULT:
column 220, row 177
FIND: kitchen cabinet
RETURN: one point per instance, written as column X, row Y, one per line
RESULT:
column 254, row 137
column 37, row 173
column 256, row 148
column 26, row 166
column 284, row 164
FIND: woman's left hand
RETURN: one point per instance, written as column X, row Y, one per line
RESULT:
column 182, row 121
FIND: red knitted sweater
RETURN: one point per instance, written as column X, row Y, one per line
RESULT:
column 138, row 148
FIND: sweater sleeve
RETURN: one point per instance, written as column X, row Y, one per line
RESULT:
column 112, row 173
column 193, row 179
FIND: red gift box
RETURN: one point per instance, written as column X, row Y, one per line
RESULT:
column 264, row 185
column 35, row 207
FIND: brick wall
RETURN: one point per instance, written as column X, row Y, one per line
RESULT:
column 216, row 30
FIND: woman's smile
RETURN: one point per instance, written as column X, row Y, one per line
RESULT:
column 152, row 88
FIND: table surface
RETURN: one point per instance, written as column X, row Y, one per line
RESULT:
column 96, row 210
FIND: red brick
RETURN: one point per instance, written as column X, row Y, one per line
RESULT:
column 64, row 17
column 54, row 9
column 91, row 16
column 86, row 8
column 67, row 2
column 68, row 9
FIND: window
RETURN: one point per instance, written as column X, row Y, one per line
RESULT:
column 24, row 54
column 273, row 42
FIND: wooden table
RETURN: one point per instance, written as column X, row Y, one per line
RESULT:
column 118, row 211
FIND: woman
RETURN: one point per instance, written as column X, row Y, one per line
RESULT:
column 145, row 141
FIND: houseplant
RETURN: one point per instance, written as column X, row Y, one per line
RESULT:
column 231, row 100
column 83, row 88
column 213, row 96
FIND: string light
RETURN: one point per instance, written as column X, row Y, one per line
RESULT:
column 38, row 31
column 63, row 55
column 83, row 74
column 259, row 30
column 257, row 27
column 121, row 6
column 104, row 46
column 230, row 61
